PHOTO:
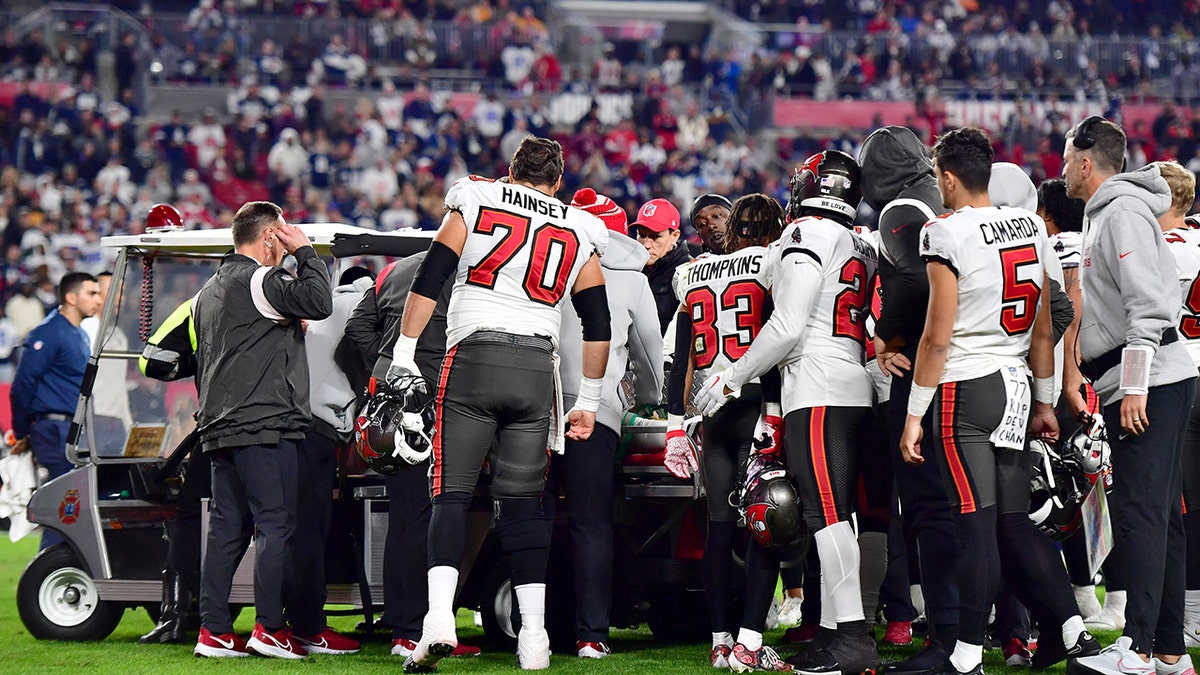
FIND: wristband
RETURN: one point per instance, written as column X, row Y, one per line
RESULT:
column 1135, row 369
column 919, row 399
column 772, row 410
column 1043, row 390
column 405, row 349
column 590, row 389
column 674, row 423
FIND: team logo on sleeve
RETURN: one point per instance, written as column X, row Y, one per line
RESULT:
column 925, row 242
column 796, row 236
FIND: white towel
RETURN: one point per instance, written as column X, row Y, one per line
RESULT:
column 558, row 418
column 20, row 480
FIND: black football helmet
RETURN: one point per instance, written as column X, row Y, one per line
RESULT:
column 1058, row 489
column 829, row 182
column 395, row 429
column 769, row 505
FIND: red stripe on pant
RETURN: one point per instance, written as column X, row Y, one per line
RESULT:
column 953, row 458
column 816, row 442
column 437, row 425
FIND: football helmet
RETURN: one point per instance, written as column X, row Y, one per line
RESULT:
column 1058, row 488
column 395, row 429
column 163, row 216
column 769, row 505
column 830, row 182
column 1089, row 445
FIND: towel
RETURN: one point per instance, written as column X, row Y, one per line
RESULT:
column 19, row 476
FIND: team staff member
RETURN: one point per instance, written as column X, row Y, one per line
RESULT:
column 710, row 218
column 1129, row 347
column 584, row 473
column 45, row 388
column 657, row 228
column 987, row 276
column 898, row 181
column 254, row 409
column 373, row 328
column 497, row 380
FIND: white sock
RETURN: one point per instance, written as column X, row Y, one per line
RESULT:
column 443, row 582
column 828, row 612
column 752, row 639
column 838, row 549
column 1114, row 601
column 722, row 638
column 1191, row 607
column 531, row 602
column 1072, row 628
column 966, row 656
column 918, row 598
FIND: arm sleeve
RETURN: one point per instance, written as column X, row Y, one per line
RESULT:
column 646, row 349
column 799, row 279
column 905, row 283
column 677, row 381
column 34, row 363
column 1136, row 253
column 1062, row 310
column 363, row 330
column 305, row 295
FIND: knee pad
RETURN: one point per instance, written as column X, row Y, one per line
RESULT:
column 524, row 535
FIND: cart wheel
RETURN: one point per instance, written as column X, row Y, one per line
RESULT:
column 496, row 608
column 58, row 601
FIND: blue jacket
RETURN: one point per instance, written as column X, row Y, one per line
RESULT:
column 49, row 372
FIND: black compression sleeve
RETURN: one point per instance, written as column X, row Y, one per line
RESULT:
column 439, row 265
column 772, row 386
column 591, row 304
column 677, row 380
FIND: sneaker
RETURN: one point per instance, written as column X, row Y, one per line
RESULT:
column 931, row 657
column 220, row 646
column 1115, row 659
column 789, row 611
column 592, row 650
column 438, row 640
column 278, row 644
column 403, row 646
column 1085, row 645
column 327, row 641
column 1017, row 654
column 1191, row 636
column 533, row 649
column 802, row 634
column 719, row 657
column 743, row 660
column 1181, row 667
column 845, row 653
column 898, row 633
column 465, row 650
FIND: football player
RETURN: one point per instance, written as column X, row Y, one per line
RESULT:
column 516, row 252
column 1184, row 243
column 983, row 332
column 822, row 284
column 724, row 301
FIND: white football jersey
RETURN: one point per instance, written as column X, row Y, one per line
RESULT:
column 727, row 297
column 1184, row 243
column 1000, row 256
column 821, row 285
column 880, row 380
column 523, row 252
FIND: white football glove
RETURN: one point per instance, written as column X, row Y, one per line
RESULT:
column 404, row 372
column 712, row 396
column 680, row 458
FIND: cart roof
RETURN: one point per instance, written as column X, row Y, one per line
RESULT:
column 221, row 240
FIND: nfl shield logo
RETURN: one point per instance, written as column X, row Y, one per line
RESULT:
column 648, row 210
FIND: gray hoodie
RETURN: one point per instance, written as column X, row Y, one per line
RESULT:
column 1130, row 288
column 330, row 391
column 636, row 340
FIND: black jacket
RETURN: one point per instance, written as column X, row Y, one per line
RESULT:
column 660, row 275
column 251, row 368
column 895, row 165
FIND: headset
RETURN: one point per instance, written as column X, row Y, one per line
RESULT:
column 1084, row 140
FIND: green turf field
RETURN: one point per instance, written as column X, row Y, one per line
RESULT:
column 634, row 651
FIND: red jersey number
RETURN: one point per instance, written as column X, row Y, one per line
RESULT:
column 1020, row 298
column 1190, row 325
column 551, row 256
column 850, row 306
column 746, row 299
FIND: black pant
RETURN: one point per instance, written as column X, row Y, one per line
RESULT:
column 254, row 492
column 1147, row 523
column 184, row 531
column 405, row 584
column 926, row 510
column 316, row 474
column 585, row 475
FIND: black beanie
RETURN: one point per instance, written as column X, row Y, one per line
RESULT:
column 707, row 200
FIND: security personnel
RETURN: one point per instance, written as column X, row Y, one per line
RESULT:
column 45, row 389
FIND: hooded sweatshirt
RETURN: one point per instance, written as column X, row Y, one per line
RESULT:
column 1127, row 273
column 636, row 340
column 897, row 180
column 660, row 276
column 332, row 398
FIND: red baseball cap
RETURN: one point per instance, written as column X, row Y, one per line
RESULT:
column 658, row 215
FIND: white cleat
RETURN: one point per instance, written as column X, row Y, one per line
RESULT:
column 533, row 649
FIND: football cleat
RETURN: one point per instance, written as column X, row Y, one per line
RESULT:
column 1017, row 654
column 842, row 653
column 789, row 611
column 744, row 660
column 1191, row 635
column 931, row 657
column 898, row 633
column 533, row 649
column 719, row 657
